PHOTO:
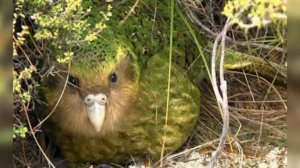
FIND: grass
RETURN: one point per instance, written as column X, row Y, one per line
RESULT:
column 169, row 77
column 257, row 107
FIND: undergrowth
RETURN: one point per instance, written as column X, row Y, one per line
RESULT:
column 257, row 106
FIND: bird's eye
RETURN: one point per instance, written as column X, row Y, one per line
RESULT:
column 73, row 80
column 113, row 78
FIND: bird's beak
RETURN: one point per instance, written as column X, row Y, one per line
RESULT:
column 95, row 105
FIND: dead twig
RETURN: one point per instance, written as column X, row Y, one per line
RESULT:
column 60, row 97
column 221, row 98
column 34, row 137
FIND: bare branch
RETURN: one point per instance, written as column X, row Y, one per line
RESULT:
column 222, row 99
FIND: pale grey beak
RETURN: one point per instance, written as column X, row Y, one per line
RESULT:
column 95, row 105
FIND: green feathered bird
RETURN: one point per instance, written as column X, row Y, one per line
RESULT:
column 114, row 105
column 113, row 108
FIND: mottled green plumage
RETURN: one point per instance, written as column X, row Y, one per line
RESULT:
column 136, row 49
column 142, row 128
column 143, row 131
column 147, row 32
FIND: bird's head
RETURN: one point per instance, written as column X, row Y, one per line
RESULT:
column 99, row 94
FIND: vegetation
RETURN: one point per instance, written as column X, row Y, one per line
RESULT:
column 258, row 27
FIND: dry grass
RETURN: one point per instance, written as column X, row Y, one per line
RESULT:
column 257, row 107
column 258, row 112
column 258, row 119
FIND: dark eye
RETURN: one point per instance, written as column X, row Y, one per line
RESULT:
column 113, row 78
column 73, row 80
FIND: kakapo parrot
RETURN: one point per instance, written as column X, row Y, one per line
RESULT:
column 114, row 105
column 113, row 109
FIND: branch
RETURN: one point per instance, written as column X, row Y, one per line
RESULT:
column 222, row 99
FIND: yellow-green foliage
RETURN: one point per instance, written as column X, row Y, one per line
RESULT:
column 25, row 74
column 18, row 43
column 255, row 13
column 20, row 132
column 23, row 85
column 68, row 19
